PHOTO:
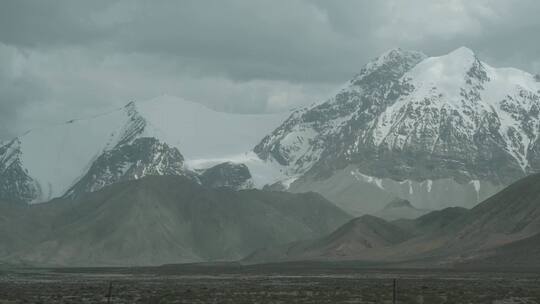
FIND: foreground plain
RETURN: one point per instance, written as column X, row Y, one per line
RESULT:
column 265, row 284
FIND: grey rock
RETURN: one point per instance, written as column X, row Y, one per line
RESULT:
column 15, row 183
column 228, row 175
column 145, row 156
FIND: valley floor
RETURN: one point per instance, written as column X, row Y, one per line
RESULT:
column 267, row 284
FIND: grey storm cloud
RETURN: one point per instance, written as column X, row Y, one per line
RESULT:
column 66, row 58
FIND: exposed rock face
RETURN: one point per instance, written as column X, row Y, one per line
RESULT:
column 321, row 133
column 45, row 163
column 228, row 175
column 15, row 184
column 406, row 118
column 145, row 156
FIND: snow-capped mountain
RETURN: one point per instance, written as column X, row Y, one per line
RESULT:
column 411, row 120
column 157, row 137
column 437, row 131
column 15, row 184
column 130, row 161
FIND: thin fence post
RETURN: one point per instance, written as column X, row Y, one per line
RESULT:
column 394, row 293
column 109, row 294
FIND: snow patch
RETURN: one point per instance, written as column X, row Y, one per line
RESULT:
column 429, row 184
column 57, row 156
column 476, row 184
column 262, row 172
column 366, row 178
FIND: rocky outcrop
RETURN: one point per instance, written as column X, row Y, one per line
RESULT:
column 15, row 183
column 145, row 156
column 227, row 175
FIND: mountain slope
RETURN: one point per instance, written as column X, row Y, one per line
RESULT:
column 15, row 183
column 400, row 209
column 433, row 222
column 45, row 163
column 455, row 236
column 230, row 175
column 407, row 118
column 511, row 214
column 523, row 254
column 167, row 219
column 142, row 157
column 495, row 228
column 15, row 228
column 360, row 234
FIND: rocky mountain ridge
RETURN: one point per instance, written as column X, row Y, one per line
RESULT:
column 414, row 119
column 157, row 220
column 139, row 139
column 494, row 230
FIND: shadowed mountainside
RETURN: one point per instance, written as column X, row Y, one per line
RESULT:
column 505, row 223
column 161, row 219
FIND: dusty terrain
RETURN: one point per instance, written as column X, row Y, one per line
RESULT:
column 265, row 285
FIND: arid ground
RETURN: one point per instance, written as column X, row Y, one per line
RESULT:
column 266, row 284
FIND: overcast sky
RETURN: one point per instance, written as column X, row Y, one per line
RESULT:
column 65, row 59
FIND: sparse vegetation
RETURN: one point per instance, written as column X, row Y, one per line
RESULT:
column 213, row 287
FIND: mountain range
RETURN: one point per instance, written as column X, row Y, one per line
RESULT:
column 430, row 159
column 437, row 131
column 493, row 231
column 156, row 137
column 158, row 220
column 173, row 219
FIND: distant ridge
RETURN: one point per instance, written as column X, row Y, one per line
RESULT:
column 503, row 229
column 160, row 220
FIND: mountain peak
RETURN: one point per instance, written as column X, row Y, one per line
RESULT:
column 387, row 68
column 394, row 56
column 451, row 65
column 403, row 115
column 10, row 151
column 399, row 52
column 52, row 159
column 134, row 127
column 140, row 157
column 463, row 52
column 458, row 75
column 399, row 203
column 399, row 209
column 130, row 104
column 15, row 184
column 227, row 175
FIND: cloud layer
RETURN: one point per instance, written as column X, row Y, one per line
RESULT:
column 67, row 58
